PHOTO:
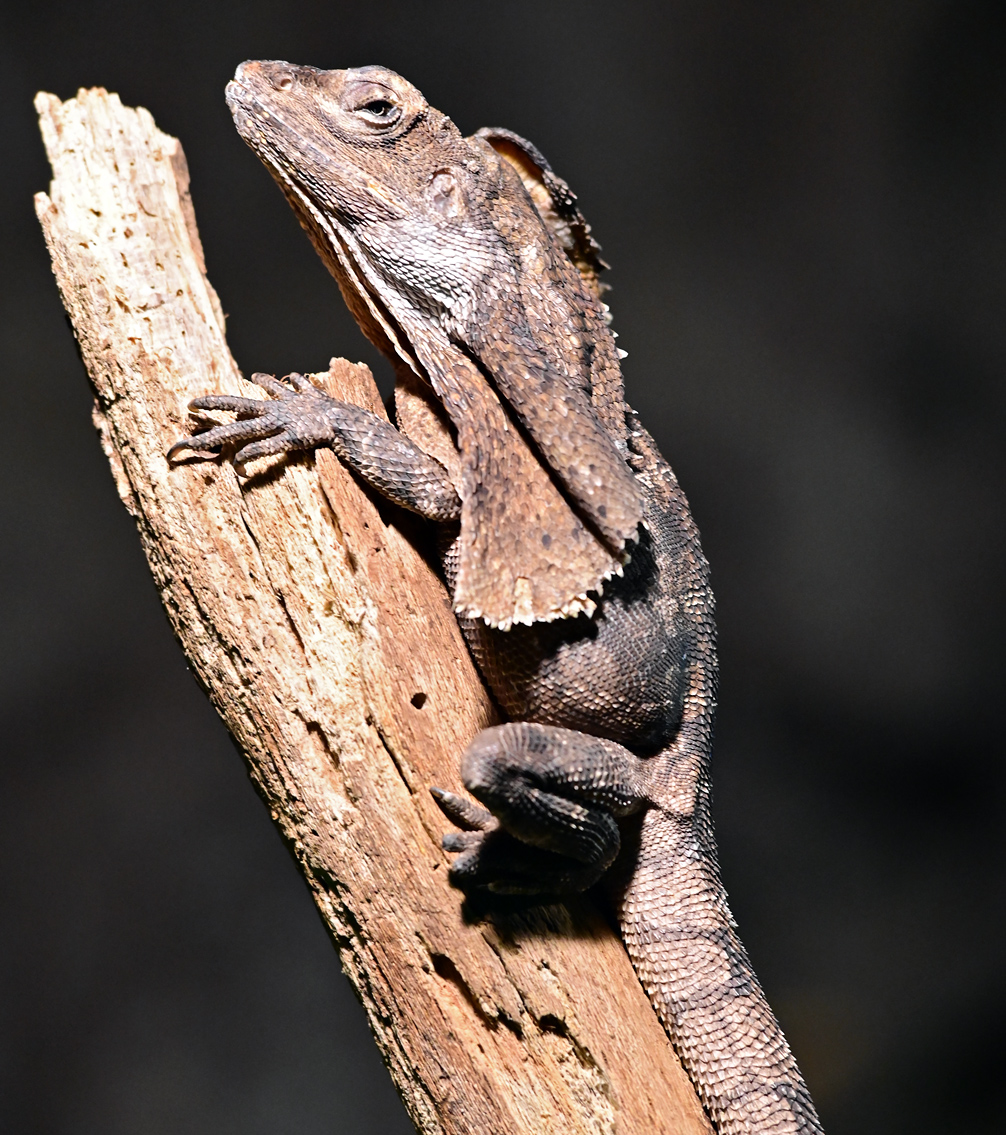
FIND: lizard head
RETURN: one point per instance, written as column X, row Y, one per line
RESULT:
column 352, row 144
column 356, row 151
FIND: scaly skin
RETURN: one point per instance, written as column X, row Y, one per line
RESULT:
column 467, row 261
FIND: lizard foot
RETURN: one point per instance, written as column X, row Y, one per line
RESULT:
column 553, row 794
column 297, row 417
column 493, row 860
column 300, row 416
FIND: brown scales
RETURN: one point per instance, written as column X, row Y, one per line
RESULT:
column 539, row 537
column 467, row 261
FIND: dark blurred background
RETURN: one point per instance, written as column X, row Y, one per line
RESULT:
column 805, row 207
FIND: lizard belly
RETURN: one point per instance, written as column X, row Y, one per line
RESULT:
column 621, row 673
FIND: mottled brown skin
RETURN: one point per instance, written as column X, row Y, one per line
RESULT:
column 468, row 262
column 479, row 303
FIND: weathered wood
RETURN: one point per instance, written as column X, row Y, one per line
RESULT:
column 328, row 646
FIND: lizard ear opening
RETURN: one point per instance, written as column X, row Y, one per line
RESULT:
column 555, row 201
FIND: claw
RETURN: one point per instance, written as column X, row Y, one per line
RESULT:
column 182, row 443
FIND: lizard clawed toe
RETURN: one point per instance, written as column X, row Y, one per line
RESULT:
column 468, row 815
column 476, row 823
column 461, row 841
column 476, row 867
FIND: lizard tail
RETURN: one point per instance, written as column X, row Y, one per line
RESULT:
column 679, row 933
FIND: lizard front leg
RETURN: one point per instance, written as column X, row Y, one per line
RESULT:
column 554, row 796
column 301, row 416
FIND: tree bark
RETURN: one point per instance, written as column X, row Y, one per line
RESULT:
column 327, row 645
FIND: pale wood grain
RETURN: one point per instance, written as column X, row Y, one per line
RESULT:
column 312, row 620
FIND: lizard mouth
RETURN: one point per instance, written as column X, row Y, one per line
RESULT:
column 244, row 94
column 232, row 93
column 242, row 103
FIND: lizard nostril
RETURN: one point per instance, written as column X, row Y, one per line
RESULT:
column 282, row 82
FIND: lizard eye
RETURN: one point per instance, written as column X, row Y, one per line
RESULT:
column 379, row 111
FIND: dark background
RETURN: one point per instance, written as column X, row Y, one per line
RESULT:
column 805, row 207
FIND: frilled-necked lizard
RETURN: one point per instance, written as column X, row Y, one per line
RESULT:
column 574, row 562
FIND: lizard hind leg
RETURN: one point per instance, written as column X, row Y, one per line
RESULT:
column 555, row 795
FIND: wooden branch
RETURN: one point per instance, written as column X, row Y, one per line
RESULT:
column 328, row 646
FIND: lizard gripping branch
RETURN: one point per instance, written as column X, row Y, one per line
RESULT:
column 568, row 548
column 314, row 625
column 577, row 572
